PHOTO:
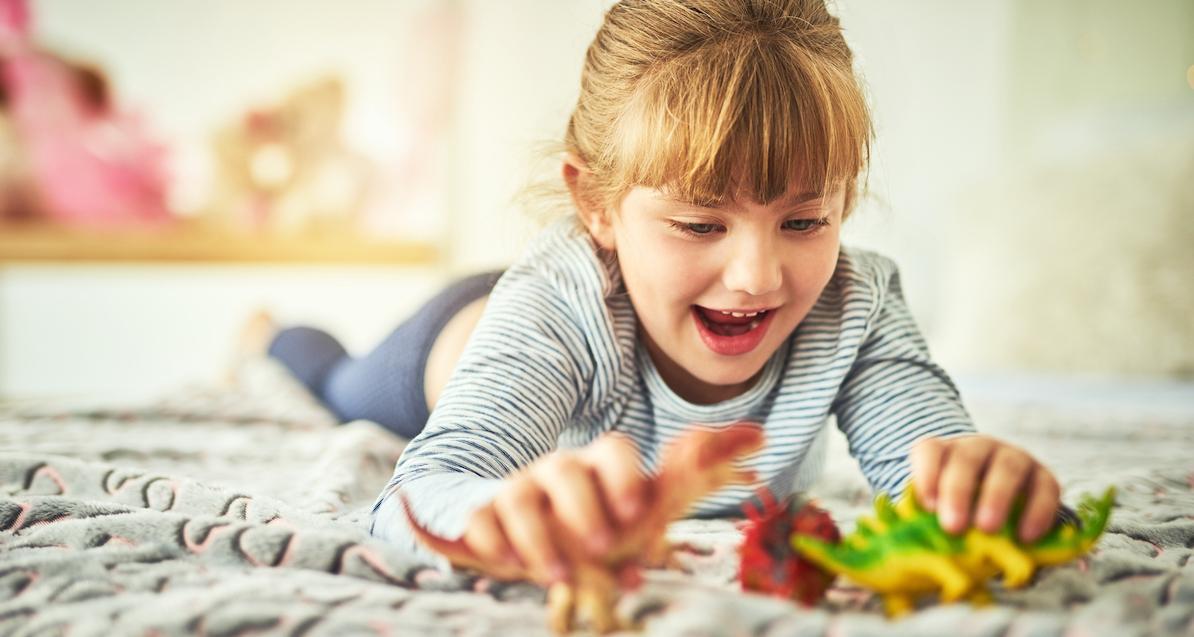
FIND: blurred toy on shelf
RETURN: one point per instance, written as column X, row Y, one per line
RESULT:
column 284, row 168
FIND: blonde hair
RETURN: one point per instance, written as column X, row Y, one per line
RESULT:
column 713, row 99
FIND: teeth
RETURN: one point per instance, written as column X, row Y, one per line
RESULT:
column 738, row 314
column 754, row 324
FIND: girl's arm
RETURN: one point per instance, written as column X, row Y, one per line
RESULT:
column 894, row 394
column 518, row 383
column 903, row 416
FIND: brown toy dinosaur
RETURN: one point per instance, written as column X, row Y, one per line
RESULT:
column 697, row 464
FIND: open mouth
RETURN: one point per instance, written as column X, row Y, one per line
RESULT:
column 729, row 335
column 724, row 323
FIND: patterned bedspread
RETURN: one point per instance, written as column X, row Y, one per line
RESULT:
column 241, row 510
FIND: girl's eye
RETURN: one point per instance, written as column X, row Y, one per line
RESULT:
column 807, row 226
column 701, row 228
column 801, row 226
column 695, row 229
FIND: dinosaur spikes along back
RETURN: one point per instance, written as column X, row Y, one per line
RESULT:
column 884, row 510
column 1094, row 512
column 766, row 499
column 909, row 504
column 912, row 556
column 864, row 527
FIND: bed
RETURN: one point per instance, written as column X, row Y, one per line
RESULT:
column 242, row 509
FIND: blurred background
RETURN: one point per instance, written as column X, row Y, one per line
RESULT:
column 168, row 168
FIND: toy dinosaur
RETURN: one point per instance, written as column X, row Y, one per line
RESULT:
column 767, row 562
column 903, row 553
column 693, row 466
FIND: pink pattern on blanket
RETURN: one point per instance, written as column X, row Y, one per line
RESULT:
column 121, row 485
column 49, row 472
column 47, row 522
column 287, row 553
column 370, row 559
column 117, row 539
column 20, row 521
column 212, row 532
column 244, row 510
column 278, row 520
column 126, row 481
column 278, row 626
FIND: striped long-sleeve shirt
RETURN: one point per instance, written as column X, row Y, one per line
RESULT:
column 555, row 361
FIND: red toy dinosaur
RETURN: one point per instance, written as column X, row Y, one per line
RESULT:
column 768, row 562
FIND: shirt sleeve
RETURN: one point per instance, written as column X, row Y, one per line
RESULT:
column 894, row 394
column 518, row 382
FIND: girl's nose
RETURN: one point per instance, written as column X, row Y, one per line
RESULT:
column 754, row 268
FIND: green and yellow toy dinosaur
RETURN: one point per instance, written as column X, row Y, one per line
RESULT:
column 903, row 553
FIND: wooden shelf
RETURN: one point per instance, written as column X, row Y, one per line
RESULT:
column 197, row 243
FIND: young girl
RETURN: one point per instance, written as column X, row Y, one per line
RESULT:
column 712, row 157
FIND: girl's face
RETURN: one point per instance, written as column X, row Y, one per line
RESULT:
column 686, row 266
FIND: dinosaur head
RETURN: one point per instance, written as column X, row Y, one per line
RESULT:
column 702, row 461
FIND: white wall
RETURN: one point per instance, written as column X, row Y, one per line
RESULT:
column 133, row 332
column 520, row 79
column 936, row 75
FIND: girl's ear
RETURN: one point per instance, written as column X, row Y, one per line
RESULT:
column 592, row 214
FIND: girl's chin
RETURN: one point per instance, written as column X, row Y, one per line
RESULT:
column 727, row 373
column 729, row 379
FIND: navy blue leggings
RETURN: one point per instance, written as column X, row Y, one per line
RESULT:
column 386, row 385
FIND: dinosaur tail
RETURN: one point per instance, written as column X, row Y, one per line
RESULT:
column 1094, row 513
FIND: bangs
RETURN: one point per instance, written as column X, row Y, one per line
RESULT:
column 741, row 119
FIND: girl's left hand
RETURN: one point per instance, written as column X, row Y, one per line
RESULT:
column 947, row 473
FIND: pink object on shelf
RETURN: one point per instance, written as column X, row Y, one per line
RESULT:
column 91, row 164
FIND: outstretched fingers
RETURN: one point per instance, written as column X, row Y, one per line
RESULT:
column 926, row 459
column 1040, row 510
column 615, row 462
column 1007, row 471
column 523, row 510
column 576, row 501
column 961, row 472
column 487, row 539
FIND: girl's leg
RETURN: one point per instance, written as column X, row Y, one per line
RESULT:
column 386, row 385
column 308, row 353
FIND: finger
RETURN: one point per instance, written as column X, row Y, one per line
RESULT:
column 615, row 460
column 1040, row 511
column 486, row 537
column 630, row 576
column 522, row 512
column 925, row 458
column 575, row 501
column 1006, row 474
column 962, row 467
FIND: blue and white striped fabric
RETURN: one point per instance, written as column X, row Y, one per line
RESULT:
column 555, row 362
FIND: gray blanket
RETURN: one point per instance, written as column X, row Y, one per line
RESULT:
column 241, row 510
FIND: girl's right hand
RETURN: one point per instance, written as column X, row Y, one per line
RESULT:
column 582, row 497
